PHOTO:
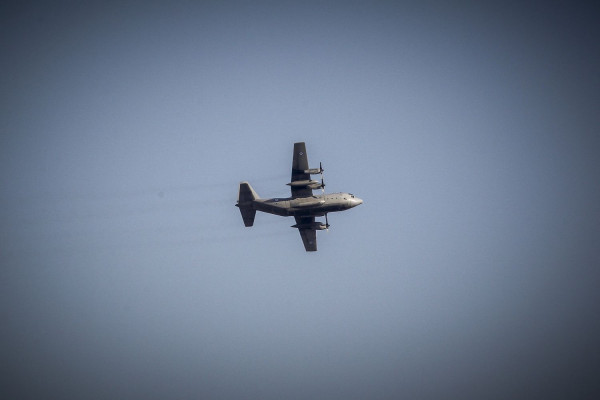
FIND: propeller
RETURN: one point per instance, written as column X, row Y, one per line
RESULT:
column 322, row 181
column 326, row 223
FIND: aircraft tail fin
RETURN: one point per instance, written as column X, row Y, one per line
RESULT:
column 246, row 197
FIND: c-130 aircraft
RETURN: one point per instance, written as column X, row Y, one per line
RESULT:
column 302, row 205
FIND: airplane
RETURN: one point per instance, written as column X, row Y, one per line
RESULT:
column 303, row 205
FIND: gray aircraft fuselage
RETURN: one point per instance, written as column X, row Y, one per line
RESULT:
column 316, row 205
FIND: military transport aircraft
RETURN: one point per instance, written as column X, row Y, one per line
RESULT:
column 303, row 205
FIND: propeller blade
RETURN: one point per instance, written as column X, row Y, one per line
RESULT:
column 326, row 224
column 322, row 181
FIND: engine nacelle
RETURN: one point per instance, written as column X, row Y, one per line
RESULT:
column 307, row 183
column 322, row 227
column 315, row 171
column 317, row 226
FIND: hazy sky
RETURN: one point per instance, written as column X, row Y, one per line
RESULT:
column 470, row 129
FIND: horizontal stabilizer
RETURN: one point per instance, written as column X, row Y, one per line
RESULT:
column 246, row 197
column 248, row 215
column 246, row 193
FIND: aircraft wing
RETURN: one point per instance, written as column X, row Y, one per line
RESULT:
column 299, row 165
column 309, row 236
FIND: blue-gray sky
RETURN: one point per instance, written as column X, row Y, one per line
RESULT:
column 470, row 130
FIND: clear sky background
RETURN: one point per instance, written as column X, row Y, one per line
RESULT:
column 470, row 129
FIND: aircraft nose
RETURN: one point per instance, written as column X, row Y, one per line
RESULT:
column 358, row 201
